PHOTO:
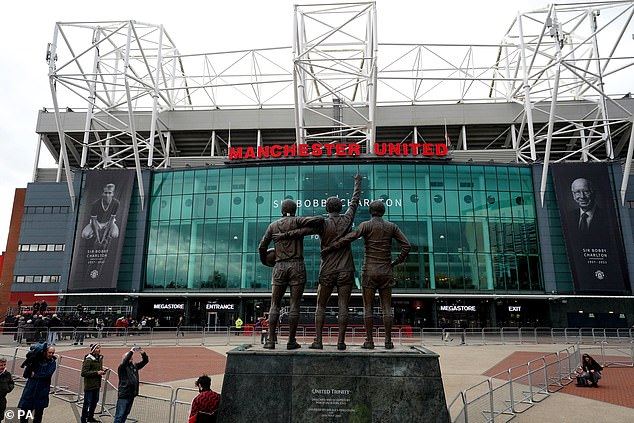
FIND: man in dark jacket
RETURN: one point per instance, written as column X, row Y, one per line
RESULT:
column 128, row 383
column 92, row 371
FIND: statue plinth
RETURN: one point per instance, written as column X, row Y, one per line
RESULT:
column 403, row 384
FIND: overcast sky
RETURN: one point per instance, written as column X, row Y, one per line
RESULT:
column 196, row 27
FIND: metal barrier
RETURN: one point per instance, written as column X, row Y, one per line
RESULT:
column 229, row 335
column 502, row 396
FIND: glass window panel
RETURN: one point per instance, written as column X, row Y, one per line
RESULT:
column 251, row 179
column 394, row 177
column 158, row 280
column 291, row 179
column 155, row 206
column 175, row 207
column 466, row 203
column 209, row 237
column 157, row 184
column 237, row 204
column 514, row 179
column 264, row 205
column 171, row 266
column 207, row 272
column 265, row 178
column 177, row 183
column 529, row 205
column 512, row 277
column 152, row 238
column 424, row 202
column 408, row 176
column 380, row 180
column 220, row 271
column 224, row 184
column 198, row 206
column 439, row 236
column 236, row 237
column 526, row 179
column 238, row 179
column 187, row 207
column 182, row 271
column 174, row 234
column 166, row 188
column 163, row 237
column 213, row 181
column 200, row 181
column 505, row 204
column 410, row 202
column 456, row 278
column 188, row 181
column 251, row 263
column 164, row 208
column 234, row 271
column 491, row 178
column 493, row 205
column 211, row 206
column 477, row 178
column 224, row 205
column 517, row 205
column 441, row 271
column 194, row 273
column 197, row 236
column 485, row 272
column 422, row 177
column 437, row 203
column 452, row 205
column 503, row 178
column 450, row 177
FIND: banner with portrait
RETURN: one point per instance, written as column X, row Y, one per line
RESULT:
column 590, row 226
column 103, row 217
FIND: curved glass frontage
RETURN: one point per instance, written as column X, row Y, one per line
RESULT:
column 472, row 228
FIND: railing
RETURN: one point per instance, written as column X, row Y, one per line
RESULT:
column 502, row 396
column 230, row 335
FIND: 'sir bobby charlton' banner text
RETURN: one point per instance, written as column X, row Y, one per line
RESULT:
column 101, row 228
column 590, row 226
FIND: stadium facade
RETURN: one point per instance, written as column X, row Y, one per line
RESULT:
column 474, row 150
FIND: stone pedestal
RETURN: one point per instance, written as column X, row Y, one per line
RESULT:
column 356, row 385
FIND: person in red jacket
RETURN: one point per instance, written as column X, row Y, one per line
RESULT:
column 206, row 403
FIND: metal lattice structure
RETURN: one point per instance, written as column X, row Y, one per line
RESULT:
column 124, row 96
column 335, row 72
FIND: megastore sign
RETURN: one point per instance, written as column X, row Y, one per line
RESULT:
column 389, row 149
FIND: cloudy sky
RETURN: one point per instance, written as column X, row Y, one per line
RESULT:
column 196, row 27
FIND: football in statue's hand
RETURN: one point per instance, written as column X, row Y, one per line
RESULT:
column 270, row 257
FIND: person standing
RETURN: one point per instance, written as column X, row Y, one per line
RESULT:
column 289, row 269
column 128, row 383
column 6, row 385
column 239, row 324
column 207, row 401
column 179, row 326
column 92, row 371
column 39, row 368
column 377, row 268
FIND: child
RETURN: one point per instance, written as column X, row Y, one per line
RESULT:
column 6, row 385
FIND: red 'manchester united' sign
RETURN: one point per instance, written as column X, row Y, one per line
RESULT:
column 336, row 150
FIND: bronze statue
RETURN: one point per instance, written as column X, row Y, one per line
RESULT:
column 376, row 274
column 337, row 266
column 289, row 269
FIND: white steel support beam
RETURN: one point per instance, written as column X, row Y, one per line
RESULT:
column 335, row 73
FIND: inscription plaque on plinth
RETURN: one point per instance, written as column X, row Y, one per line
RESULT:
column 403, row 384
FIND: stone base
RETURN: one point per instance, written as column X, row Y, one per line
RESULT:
column 399, row 385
